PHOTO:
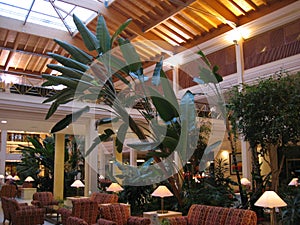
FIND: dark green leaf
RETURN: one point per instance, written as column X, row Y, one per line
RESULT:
column 69, row 119
column 89, row 39
column 103, row 35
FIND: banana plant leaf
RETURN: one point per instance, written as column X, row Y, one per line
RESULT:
column 103, row 35
column 69, row 119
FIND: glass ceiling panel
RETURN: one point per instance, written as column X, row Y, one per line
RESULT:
column 51, row 13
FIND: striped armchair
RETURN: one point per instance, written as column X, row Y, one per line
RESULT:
column 213, row 215
column 83, row 208
column 104, row 198
column 25, row 215
column 42, row 199
column 5, row 208
column 8, row 190
column 119, row 214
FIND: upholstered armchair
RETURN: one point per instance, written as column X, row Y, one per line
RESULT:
column 119, row 214
column 5, row 208
column 24, row 215
column 104, row 198
column 214, row 215
column 72, row 220
column 83, row 208
column 8, row 190
column 42, row 199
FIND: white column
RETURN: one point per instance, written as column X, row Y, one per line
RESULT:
column 3, row 151
column 246, row 159
column 175, row 79
column 101, row 161
column 133, row 157
column 91, row 160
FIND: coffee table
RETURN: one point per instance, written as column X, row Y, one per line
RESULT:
column 52, row 214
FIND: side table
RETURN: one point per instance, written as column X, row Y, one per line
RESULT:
column 154, row 216
column 68, row 201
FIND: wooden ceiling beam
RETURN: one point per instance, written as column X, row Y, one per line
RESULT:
column 167, row 15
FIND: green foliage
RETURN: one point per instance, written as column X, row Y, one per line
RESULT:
column 40, row 154
column 290, row 215
column 269, row 111
column 212, row 190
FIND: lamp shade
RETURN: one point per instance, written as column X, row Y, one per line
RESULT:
column 9, row 177
column 270, row 199
column 162, row 191
column 114, row 187
column 29, row 179
column 16, row 177
column 1, row 176
column 294, row 182
column 77, row 184
column 245, row 181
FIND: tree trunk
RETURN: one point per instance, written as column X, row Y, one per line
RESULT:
column 274, row 166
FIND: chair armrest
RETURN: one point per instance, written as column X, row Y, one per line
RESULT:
column 23, row 204
column 36, row 203
column 30, row 211
column 178, row 220
column 72, row 220
column 134, row 220
column 65, row 214
column 105, row 222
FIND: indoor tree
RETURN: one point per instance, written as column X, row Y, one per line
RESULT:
column 267, row 115
column 167, row 125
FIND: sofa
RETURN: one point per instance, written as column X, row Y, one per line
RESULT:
column 214, row 215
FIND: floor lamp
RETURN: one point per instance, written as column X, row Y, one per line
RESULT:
column 162, row 191
column 270, row 199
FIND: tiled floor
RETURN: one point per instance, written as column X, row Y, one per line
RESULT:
column 20, row 200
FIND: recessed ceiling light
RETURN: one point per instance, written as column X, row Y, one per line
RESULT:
column 3, row 121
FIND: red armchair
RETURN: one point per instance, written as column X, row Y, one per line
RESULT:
column 85, row 209
column 72, row 220
column 8, row 190
column 24, row 215
column 214, row 215
column 104, row 198
column 119, row 214
column 42, row 199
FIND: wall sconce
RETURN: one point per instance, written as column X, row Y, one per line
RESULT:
column 270, row 199
column 162, row 191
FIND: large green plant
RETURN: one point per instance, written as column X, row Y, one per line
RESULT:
column 267, row 114
column 166, row 126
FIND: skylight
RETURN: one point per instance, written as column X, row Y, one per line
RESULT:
column 51, row 13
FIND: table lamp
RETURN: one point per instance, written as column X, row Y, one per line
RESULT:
column 245, row 181
column 78, row 184
column 294, row 182
column 162, row 191
column 270, row 199
column 114, row 187
column 9, row 177
column 16, row 177
column 29, row 179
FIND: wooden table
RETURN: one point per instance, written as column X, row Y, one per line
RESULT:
column 52, row 214
column 156, row 218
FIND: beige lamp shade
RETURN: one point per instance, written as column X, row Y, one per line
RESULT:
column 270, row 199
column 16, row 177
column 77, row 184
column 1, row 176
column 245, row 181
column 9, row 177
column 29, row 179
column 294, row 182
column 114, row 187
column 162, row 191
